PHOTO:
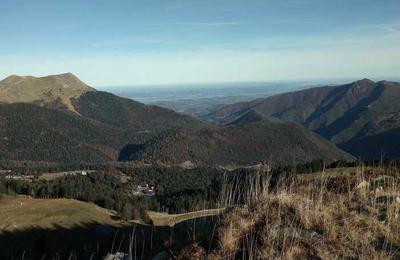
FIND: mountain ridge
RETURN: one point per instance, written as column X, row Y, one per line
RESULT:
column 96, row 126
column 342, row 113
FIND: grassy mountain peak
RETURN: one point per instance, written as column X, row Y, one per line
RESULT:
column 53, row 89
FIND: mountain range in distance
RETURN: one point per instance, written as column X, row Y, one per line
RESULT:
column 362, row 118
column 59, row 118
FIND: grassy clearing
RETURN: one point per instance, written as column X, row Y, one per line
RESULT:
column 57, row 175
column 165, row 219
column 21, row 212
column 61, row 228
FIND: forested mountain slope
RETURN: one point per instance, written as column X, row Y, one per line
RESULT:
column 242, row 144
column 96, row 126
column 36, row 123
column 361, row 117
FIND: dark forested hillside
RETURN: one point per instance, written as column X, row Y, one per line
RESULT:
column 359, row 117
column 30, row 132
column 129, row 114
column 241, row 145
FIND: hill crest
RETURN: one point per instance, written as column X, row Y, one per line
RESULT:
column 49, row 90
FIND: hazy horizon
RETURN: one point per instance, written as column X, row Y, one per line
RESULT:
column 222, row 84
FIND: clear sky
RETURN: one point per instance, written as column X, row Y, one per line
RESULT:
column 132, row 42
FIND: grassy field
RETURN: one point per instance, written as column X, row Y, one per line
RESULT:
column 164, row 219
column 58, row 228
column 56, row 175
column 22, row 212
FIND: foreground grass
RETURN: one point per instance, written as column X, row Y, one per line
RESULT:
column 348, row 213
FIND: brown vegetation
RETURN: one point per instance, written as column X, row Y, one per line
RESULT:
column 331, row 216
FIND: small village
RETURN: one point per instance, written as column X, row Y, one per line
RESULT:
column 143, row 190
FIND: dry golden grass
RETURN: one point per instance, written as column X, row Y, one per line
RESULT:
column 324, row 216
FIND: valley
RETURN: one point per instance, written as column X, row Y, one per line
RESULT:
column 104, row 127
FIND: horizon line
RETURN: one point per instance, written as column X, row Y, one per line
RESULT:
column 326, row 81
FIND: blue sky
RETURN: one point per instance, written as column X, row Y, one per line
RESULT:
column 109, row 43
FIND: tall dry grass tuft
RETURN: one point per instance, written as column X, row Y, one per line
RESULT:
column 341, row 213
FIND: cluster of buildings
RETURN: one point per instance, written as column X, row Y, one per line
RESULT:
column 143, row 190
